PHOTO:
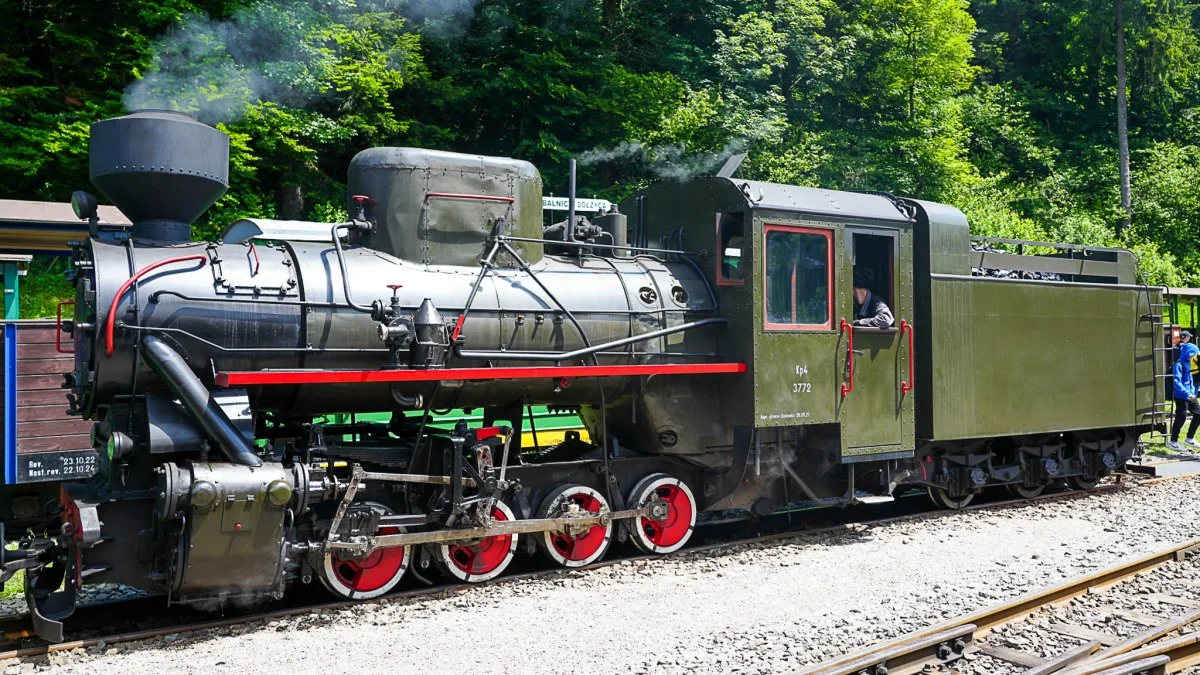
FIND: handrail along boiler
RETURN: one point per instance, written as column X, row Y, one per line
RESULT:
column 713, row 360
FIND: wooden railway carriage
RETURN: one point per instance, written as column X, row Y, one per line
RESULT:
column 709, row 348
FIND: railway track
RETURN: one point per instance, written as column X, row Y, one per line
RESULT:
column 1160, row 632
column 96, row 624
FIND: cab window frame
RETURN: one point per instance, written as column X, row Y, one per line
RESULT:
column 830, row 277
column 719, row 270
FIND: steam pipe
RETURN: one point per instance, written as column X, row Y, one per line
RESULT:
column 112, row 310
column 198, row 401
column 640, row 240
column 607, row 247
column 570, row 233
column 405, row 401
column 337, row 248
column 588, row 351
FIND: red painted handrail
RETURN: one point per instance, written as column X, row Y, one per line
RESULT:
column 58, row 333
column 250, row 378
column 459, row 195
column 848, row 327
column 908, row 386
column 257, row 262
column 112, row 310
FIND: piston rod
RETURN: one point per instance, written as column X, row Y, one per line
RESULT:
column 653, row 510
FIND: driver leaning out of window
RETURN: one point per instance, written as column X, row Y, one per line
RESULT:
column 870, row 310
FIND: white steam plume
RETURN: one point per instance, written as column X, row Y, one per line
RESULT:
column 667, row 162
column 216, row 69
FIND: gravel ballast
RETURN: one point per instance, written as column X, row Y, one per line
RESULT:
column 753, row 608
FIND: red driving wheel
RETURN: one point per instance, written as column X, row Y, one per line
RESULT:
column 672, row 532
column 482, row 561
column 367, row 577
column 574, row 548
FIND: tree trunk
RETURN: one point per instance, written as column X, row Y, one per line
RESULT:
column 289, row 203
column 608, row 12
column 1123, row 121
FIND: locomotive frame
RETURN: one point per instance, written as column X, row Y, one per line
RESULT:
column 708, row 344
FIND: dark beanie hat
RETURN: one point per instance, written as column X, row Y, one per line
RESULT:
column 863, row 277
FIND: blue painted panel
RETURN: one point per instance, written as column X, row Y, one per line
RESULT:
column 10, row 403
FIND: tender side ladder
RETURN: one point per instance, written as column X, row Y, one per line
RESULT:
column 1160, row 410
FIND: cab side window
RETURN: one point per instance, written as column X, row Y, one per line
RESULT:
column 873, row 252
column 730, row 230
column 799, row 278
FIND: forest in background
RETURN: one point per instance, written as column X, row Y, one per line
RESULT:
column 1004, row 108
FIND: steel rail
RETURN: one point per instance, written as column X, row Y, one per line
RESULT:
column 989, row 618
column 455, row 588
column 1180, row 653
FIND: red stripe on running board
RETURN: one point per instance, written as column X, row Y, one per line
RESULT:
column 251, row 378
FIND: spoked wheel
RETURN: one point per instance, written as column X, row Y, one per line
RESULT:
column 482, row 561
column 370, row 576
column 671, row 533
column 576, row 546
column 944, row 499
column 1020, row 491
column 1081, row 483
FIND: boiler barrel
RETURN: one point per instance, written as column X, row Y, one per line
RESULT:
column 283, row 306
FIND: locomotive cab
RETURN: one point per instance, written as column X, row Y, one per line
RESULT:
column 832, row 412
column 823, row 393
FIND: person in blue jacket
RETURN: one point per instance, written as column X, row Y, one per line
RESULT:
column 1185, row 397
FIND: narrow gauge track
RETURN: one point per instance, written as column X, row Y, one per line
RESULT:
column 99, row 623
column 1147, row 651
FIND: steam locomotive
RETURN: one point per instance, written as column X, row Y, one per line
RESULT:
column 703, row 330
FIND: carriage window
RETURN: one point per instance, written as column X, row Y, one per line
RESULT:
column 729, row 243
column 798, row 278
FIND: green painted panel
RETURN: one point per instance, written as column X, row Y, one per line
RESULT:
column 798, row 374
column 797, row 379
column 12, row 293
column 876, row 416
column 545, row 421
column 1030, row 357
column 872, row 413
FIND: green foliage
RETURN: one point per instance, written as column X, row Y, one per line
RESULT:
column 43, row 287
column 1004, row 108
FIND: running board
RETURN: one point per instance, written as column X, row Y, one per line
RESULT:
column 874, row 499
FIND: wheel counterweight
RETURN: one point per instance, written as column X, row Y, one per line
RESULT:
column 370, row 576
column 672, row 532
column 575, row 548
column 483, row 561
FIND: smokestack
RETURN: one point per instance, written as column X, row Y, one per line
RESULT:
column 163, row 170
